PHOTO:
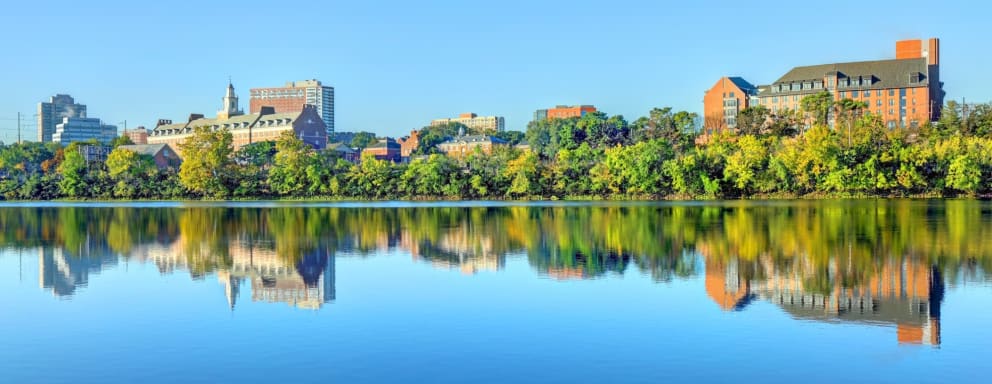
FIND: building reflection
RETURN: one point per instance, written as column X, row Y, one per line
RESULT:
column 62, row 271
column 308, row 283
column 906, row 293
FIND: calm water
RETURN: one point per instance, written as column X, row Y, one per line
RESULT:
column 826, row 291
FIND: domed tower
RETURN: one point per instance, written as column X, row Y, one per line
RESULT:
column 230, row 104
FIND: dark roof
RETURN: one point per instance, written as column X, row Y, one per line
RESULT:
column 742, row 84
column 384, row 144
column 883, row 73
column 144, row 149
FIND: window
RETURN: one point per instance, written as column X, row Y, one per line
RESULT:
column 892, row 102
column 731, row 94
column 892, row 92
column 878, row 102
column 878, row 93
column 841, row 94
column 867, row 94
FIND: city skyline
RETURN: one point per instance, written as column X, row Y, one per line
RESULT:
column 639, row 66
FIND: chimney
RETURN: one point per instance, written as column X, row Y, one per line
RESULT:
column 266, row 111
column 194, row 116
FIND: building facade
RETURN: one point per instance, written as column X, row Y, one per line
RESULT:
column 724, row 101
column 138, row 135
column 409, row 144
column 51, row 114
column 292, row 98
column 465, row 145
column 563, row 112
column 73, row 129
column 162, row 154
column 385, row 149
column 265, row 125
column 905, row 91
column 490, row 124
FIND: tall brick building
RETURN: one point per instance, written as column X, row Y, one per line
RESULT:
column 904, row 92
column 563, row 112
column 292, row 98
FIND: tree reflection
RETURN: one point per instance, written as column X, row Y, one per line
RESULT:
column 822, row 248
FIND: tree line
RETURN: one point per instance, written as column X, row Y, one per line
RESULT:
column 661, row 155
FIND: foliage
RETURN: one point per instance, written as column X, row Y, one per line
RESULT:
column 207, row 168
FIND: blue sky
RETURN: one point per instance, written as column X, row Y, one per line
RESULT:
column 396, row 65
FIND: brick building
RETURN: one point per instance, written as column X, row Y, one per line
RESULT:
column 563, row 112
column 408, row 144
column 292, row 97
column 904, row 92
column 266, row 125
column 162, row 154
column 138, row 135
column 723, row 101
column 385, row 149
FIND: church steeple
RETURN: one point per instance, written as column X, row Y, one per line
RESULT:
column 230, row 103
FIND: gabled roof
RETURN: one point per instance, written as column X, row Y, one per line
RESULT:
column 144, row 149
column 884, row 73
column 742, row 84
column 384, row 144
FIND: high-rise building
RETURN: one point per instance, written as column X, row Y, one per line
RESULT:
column 52, row 112
column 904, row 92
column 563, row 112
column 73, row 129
column 484, row 124
column 293, row 96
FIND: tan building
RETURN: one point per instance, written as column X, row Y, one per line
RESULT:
column 408, row 144
column 479, row 123
column 464, row 145
column 265, row 125
column 138, row 135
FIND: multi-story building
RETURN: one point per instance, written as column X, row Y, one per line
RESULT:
column 138, row 135
column 293, row 97
column 476, row 122
column 265, row 125
column 464, row 145
column 408, row 144
column 51, row 113
column 904, row 92
column 73, row 129
column 563, row 112
column 386, row 149
column 724, row 101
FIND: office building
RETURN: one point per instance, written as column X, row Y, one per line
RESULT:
column 51, row 113
column 73, row 129
column 563, row 112
column 292, row 98
column 483, row 124
column 465, row 145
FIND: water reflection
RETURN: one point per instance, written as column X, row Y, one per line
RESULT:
column 868, row 262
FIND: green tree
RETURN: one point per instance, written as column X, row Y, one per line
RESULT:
column 73, row 172
column 752, row 120
column 818, row 106
column 291, row 164
column 207, row 167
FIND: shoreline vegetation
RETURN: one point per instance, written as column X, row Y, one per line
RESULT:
column 831, row 150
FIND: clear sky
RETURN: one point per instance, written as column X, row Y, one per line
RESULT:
column 396, row 65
